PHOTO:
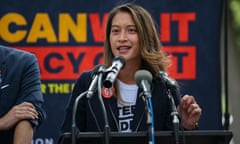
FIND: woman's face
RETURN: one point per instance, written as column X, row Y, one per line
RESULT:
column 124, row 37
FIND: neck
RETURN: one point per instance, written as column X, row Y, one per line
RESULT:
column 126, row 75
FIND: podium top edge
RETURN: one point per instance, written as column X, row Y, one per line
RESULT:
column 163, row 133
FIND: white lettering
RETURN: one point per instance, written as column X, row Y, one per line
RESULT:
column 43, row 141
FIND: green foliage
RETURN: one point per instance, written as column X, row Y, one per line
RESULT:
column 235, row 9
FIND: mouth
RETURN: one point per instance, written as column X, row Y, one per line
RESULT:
column 123, row 48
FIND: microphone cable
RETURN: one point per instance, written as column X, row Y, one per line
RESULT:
column 94, row 116
column 152, row 120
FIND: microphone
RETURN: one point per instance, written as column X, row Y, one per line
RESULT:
column 172, row 86
column 95, row 76
column 143, row 79
column 169, row 82
column 112, row 72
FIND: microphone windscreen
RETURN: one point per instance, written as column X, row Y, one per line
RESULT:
column 142, row 75
column 121, row 59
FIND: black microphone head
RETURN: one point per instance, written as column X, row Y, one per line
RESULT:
column 164, row 77
column 112, row 72
column 121, row 59
column 143, row 75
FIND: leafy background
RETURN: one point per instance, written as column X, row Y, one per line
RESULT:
column 235, row 11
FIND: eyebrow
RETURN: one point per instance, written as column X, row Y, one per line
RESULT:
column 127, row 25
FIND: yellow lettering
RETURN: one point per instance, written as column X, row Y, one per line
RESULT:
column 78, row 29
column 72, row 86
column 59, row 88
column 43, row 88
column 13, row 28
column 42, row 29
column 14, row 35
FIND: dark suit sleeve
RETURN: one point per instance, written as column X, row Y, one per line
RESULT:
column 30, row 90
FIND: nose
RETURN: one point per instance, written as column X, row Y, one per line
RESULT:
column 123, row 36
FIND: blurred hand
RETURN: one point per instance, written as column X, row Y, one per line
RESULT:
column 191, row 112
column 19, row 112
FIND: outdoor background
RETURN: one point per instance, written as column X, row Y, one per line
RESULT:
column 67, row 38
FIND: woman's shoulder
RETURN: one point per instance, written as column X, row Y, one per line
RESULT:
column 85, row 75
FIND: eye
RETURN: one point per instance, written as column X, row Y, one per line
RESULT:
column 114, row 30
column 132, row 30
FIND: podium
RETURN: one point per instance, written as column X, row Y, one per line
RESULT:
column 161, row 137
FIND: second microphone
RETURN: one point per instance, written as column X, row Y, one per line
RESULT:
column 112, row 72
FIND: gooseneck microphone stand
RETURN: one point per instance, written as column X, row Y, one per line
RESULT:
column 143, row 79
column 74, row 127
column 174, row 115
column 106, row 126
column 170, row 85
